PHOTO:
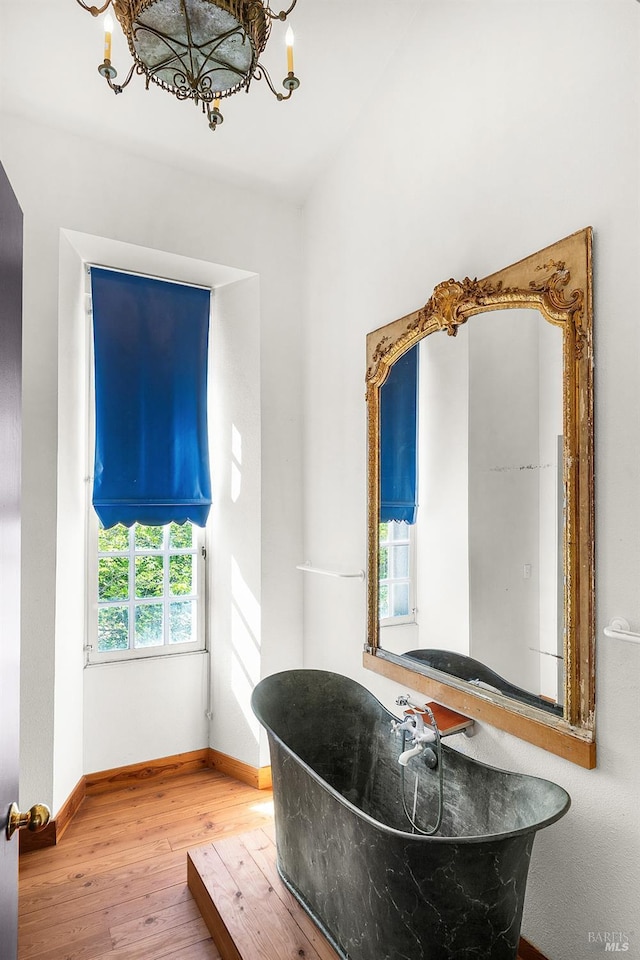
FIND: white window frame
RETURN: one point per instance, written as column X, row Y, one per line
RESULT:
column 199, row 599
column 410, row 579
column 196, row 598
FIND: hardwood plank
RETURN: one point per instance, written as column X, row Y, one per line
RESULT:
column 41, row 940
column 157, row 921
column 244, row 935
column 144, row 790
column 164, row 813
column 224, row 826
column 276, row 909
column 74, row 861
column 248, row 905
column 203, row 950
column 82, row 948
column 168, row 795
column 261, row 848
column 222, row 937
column 166, row 869
column 153, row 901
column 143, row 900
column 193, row 825
column 162, row 944
column 258, row 846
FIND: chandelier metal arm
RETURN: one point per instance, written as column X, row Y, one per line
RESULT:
column 261, row 8
column 94, row 11
column 108, row 72
column 290, row 82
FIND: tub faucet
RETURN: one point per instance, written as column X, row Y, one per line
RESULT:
column 421, row 735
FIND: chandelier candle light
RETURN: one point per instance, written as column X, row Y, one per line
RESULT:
column 200, row 50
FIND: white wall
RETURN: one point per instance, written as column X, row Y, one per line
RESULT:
column 509, row 126
column 443, row 513
column 551, row 508
column 70, row 183
column 503, row 493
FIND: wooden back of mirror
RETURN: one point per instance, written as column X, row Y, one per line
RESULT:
column 556, row 281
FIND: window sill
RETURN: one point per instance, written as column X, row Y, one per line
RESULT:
column 112, row 662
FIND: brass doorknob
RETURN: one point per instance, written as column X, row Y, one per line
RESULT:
column 34, row 819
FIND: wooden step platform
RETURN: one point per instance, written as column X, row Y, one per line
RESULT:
column 248, row 910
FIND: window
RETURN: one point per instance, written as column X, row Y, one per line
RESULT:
column 151, row 471
column 148, row 591
column 396, row 574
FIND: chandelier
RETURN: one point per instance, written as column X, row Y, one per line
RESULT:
column 199, row 50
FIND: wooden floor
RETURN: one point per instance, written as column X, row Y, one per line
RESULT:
column 115, row 887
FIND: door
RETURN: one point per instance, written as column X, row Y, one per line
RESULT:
column 10, row 388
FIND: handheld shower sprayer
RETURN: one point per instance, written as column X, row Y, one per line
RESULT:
column 421, row 735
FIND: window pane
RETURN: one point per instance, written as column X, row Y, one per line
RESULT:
column 181, row 536
column 181, row 622
column 149, row 577
column 384, row 531
column 113, row 629
column 400, row 561
column 113, row 578
column 400, row 605
column 148, row 538
column 398, row 530
column 149, row 625
column 115, row 538
column 383, row 602
column 181, row 574
column 384, row 563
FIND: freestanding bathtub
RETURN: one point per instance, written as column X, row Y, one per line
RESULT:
column 345, row 847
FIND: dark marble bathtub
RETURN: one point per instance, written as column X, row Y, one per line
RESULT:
column 378, row 891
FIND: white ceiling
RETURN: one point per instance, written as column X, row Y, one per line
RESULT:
column 50, row 50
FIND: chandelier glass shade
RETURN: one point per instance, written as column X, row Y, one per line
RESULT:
column 199, row 50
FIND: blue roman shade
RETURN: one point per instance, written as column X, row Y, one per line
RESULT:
column 152, row 454
column 398, row 440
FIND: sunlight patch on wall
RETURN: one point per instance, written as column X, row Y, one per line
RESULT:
column 245, row 602
column 242, row 688
column 236, row 463
column 245, row 640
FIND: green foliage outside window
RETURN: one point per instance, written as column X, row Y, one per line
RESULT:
column 113, row 578
column 148, row 538
column 181, row 574
column 138, row 565
column 149, row 577
column 113, row 628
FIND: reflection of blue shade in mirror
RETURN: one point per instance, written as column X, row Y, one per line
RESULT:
column 398, row 440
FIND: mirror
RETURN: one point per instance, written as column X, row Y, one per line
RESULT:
column 481, row 498
column 481, row 565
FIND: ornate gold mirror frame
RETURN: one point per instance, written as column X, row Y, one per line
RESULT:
column 557, row 282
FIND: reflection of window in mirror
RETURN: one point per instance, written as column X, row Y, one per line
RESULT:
column 398, row 502
column 397, row 573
